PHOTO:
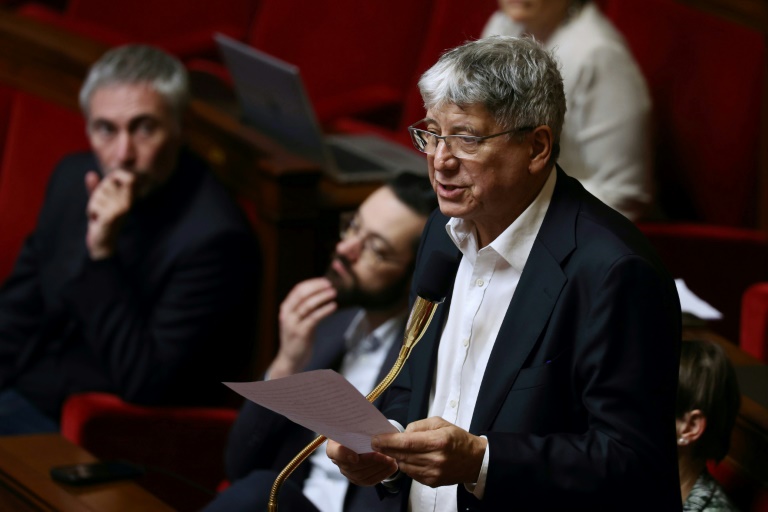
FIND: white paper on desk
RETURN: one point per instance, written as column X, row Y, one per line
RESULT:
column 690, row 303
column 322, row 401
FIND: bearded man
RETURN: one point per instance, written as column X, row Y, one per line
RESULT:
column 351, row 320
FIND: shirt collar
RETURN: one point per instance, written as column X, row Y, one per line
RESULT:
column 356, row 337
column 514, row 243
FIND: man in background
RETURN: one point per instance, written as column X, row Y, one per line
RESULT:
column 351, row 320
column 141, row 276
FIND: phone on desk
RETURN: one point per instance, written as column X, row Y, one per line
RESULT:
column 95, row 472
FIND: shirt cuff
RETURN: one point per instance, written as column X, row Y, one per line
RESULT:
column 389, row 482
column 478, row 488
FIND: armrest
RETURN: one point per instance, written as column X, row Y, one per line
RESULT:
column 182, row 447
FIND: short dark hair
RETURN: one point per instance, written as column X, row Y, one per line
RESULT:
column 707, row 381
column 414, row 191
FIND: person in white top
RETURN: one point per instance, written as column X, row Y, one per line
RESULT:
column 548, row 376
column 351, row 320
column 606, row 139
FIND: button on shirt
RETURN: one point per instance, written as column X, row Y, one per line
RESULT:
column 326, row 487
column 485, row 283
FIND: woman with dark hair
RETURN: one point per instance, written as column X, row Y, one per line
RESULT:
column 605, row 142
column 707, row 404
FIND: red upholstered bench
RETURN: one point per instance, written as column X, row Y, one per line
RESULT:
column 182, row 447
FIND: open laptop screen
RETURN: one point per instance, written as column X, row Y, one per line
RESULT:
column 273, row 98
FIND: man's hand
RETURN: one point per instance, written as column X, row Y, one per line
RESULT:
column 361, row 469
column 434, row 452
column 305, row 306
column 110, row 200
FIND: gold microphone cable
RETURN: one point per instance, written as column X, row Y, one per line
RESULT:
column 434, row 284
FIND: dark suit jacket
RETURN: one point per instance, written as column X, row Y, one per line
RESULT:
column 165, row 320
column 578, row 397
column 262, row 439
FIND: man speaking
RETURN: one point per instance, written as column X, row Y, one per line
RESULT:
column 548, row 378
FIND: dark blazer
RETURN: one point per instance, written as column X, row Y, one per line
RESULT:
column 578, row 398
column 165, row 320
column 262, row 439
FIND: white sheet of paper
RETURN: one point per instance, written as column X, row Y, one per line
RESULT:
column 692, row 303
column 322, row 401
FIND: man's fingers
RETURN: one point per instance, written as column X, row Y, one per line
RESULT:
column 92, row 180
column 307, row 310
column 408, row 442
column 371, row 469
column 305, row 298
column 340, row 453
column 432, row 423
column 318, row 314
column 363, row 469
column 301, row 291
column 420, row 438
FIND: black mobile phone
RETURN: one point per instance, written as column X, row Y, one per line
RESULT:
column 96, row 472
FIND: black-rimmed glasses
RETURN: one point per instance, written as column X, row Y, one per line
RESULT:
column 374, row 247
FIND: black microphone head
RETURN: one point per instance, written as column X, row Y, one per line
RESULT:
column 437, row 277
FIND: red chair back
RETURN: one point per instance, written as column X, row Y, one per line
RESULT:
column 351, row 55
column 151, row 21
column 38, row 135
column 706, row 80
column 452, row 24
column 182, row 447
column 754, row 321
column 745, row 491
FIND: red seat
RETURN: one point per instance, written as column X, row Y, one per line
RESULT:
column 353, row 58
column 182, row 447
column 705, row 75
column 754, row 321
column 183, row 28
column 746, row 492
column 354, row 61
column 451, row 24
column 38, row 135
column 717, row 263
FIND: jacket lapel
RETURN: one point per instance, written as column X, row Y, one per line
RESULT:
column 532, row 304
column 423, row 359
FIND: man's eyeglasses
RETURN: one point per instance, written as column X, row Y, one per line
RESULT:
column 460, row 146
column 374, row 248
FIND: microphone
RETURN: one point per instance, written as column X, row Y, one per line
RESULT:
column 433, row 286
column 431, row 290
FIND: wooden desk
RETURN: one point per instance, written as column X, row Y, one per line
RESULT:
column 25, row 484
column 749, row 441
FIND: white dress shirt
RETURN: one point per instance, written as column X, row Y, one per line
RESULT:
column 606, row 138
column 485, row 283
column 325, row 487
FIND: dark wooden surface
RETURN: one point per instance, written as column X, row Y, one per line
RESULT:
column 26, row 486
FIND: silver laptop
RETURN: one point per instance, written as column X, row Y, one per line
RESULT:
column 273, row 100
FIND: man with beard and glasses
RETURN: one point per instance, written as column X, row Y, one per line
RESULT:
column 351, row 320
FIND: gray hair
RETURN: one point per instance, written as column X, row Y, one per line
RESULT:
column 135, row 64
column 514, row 78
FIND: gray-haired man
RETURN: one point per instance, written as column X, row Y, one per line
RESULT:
column 547, row 380
column 140, row 266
